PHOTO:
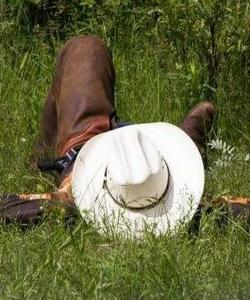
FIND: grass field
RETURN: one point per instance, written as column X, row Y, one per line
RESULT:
column 54, row 261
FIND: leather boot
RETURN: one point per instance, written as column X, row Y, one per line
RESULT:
column 198, row 123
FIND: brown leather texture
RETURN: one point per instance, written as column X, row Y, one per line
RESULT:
column 198, row 122
column 81, row 98
column 97, row 125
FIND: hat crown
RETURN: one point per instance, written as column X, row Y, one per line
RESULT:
column 132, row 158
column 137, row 175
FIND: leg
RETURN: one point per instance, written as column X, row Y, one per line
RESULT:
column 84, row 91
column 81, row 98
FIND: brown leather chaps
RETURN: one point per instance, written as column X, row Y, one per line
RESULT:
column 81, row 99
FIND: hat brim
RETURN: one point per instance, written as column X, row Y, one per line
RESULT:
column 186, row 183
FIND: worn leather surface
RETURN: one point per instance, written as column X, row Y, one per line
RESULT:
column 30, row 209
column 13, row 208
column 81, row 98
column 198, row 123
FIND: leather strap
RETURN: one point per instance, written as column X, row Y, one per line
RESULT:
column 59, row 164
column 97, row 125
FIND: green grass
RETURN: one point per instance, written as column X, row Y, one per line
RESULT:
column 54, row 261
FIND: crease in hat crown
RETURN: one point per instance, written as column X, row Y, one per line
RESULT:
column 137, row 175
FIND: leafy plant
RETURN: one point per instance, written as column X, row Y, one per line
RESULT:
column 227, row 154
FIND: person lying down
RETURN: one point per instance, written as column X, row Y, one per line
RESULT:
column 150, row 174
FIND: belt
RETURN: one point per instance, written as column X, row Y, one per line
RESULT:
column 59, row 164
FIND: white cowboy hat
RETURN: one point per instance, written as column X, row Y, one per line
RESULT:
column 137, row 177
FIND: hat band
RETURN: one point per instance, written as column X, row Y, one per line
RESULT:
column 150, row 205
